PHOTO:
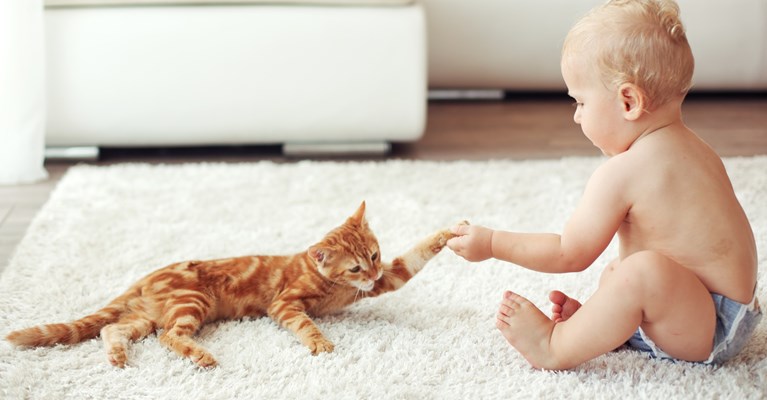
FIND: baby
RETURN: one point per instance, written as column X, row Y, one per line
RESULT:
column 683, row 286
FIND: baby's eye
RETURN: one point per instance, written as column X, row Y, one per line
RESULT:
column 355, row 269
column 374, row 256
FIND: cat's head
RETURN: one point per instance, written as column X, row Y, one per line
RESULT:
column 350, row 254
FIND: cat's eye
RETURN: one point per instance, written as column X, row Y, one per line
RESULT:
column 355, row 269
column 374, row 256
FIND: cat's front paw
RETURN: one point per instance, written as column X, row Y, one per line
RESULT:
column 117, row 357
column 321, row 345
column 441, row 238
column 204, row 359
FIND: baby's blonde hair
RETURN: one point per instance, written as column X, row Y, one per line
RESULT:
column 642, row 42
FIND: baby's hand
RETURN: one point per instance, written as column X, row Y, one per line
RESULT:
column 441, row 238
column 472, row 242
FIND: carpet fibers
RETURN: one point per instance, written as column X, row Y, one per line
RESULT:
column 105, row 227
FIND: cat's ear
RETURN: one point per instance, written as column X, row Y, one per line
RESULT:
column 359, row 215
column 319, row 254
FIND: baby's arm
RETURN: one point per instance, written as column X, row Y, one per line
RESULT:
column 479, row 243
column 602, row 209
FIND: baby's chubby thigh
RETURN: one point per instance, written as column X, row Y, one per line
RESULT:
column 678, row 312
column 608, row 271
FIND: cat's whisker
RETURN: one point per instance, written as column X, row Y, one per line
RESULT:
column 333, row 283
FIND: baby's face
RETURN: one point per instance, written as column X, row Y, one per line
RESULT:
column 597, row 108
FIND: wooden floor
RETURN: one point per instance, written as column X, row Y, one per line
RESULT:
column 520, row 127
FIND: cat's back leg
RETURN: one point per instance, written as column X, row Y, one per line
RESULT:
column 183, row 317
column 117, row 336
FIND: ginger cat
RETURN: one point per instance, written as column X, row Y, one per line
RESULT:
column 343, row 267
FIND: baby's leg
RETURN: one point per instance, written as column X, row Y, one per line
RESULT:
column 564, row 306
column 646, row 289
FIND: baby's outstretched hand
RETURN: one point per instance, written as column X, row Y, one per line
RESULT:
column 472, row 242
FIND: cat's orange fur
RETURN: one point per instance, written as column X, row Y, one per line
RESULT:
column 343, row 267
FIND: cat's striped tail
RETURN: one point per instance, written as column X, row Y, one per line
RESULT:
column 71, row 332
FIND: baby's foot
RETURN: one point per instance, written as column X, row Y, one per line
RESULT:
column 563, row 306
column 527, row 329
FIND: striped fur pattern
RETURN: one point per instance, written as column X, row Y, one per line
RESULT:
column 343, row 267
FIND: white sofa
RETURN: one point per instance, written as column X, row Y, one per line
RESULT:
column 328, row 72
column 333, row 74
column 516, row 45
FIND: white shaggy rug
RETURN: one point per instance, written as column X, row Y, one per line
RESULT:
column 105, row 227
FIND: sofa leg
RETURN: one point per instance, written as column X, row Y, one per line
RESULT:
column 320, row 149
column 83, row 153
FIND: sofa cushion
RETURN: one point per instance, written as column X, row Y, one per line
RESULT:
column 234, row 75
column 77, row 3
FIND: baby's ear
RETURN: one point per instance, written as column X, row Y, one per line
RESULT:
column 634, row 101
column 319, row 254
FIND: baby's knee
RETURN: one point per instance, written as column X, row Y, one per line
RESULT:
column 644, row 269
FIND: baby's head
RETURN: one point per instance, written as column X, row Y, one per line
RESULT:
column 641, row 42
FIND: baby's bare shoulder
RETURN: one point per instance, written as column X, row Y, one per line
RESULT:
column 616, row 170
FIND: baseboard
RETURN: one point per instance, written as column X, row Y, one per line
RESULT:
column 330, row 149
column 84, row 153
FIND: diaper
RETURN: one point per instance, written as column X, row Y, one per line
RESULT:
column 735, row 322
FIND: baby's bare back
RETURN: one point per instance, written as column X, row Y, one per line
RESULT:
column 683, row 205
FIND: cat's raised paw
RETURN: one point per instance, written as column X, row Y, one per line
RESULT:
column 442, row 237
column 321, row 346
